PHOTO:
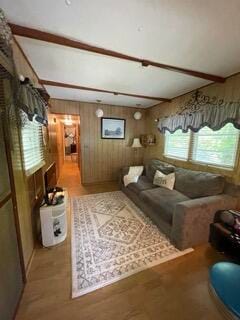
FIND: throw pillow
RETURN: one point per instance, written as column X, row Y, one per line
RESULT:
column 133, row 174
column 154, row 165
column 164, row 180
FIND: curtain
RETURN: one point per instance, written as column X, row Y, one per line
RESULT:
column 32, row 103
column 25, row 97
column 205, row 111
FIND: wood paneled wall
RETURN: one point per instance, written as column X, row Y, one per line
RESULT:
column 65, row 106
column 229, row 91
column 51, row 152
column 55, row 143
column 21, row 183
column 102, row 158
column 27, row 189
column 23, row 200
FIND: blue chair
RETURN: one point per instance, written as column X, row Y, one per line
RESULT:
column 225, row 288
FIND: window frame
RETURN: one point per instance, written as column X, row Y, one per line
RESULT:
column 30, row 171
column 175, row 157
column 202, row 163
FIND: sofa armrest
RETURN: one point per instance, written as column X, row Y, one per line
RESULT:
column 234, row 191
column 191, row 219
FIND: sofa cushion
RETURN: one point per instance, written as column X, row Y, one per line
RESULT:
column 196, row 184
column 153, row 165
column 163, row 201
column 143, row 184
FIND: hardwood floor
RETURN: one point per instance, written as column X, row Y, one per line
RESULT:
column 177, row 289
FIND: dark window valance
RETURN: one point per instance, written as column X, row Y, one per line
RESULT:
column 25, row 97
column 202, row 111
column 32, row 102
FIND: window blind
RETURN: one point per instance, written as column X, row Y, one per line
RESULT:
column 32, row 146
column 216, row 147
column 177, row 144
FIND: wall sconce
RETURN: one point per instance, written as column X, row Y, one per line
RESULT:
column 148, row 140
column 99, row 113
column 21, row 77
column 137, row 115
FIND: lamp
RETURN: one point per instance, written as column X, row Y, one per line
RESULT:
column 137, row 115
column 68, row 121
column 136, row 143
column 99, row 113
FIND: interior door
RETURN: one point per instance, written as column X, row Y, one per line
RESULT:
column 11, row 272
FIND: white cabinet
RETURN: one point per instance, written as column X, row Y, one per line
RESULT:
column 54, row 223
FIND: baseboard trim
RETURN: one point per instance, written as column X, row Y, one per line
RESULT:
column 27, row 269
column 18, row 303
column 29, row 264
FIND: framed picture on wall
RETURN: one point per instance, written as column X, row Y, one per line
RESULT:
column 113, row 128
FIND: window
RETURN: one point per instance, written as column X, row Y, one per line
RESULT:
column 32, row 146
column 177, row 144
column 218, row 148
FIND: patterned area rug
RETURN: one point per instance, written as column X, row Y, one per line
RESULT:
column 111, row 240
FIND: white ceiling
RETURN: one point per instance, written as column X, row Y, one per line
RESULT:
column 198, row 35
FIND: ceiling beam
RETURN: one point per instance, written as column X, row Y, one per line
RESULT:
column 116, row 93
column 60, row 40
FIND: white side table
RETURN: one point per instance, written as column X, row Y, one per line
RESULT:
column 54, row 222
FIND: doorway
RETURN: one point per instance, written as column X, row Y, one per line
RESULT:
column 65, row 139
column 70, row 142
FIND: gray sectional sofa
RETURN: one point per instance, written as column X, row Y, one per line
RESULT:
column 184, row 213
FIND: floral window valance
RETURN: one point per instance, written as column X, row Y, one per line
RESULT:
column 201, row 111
